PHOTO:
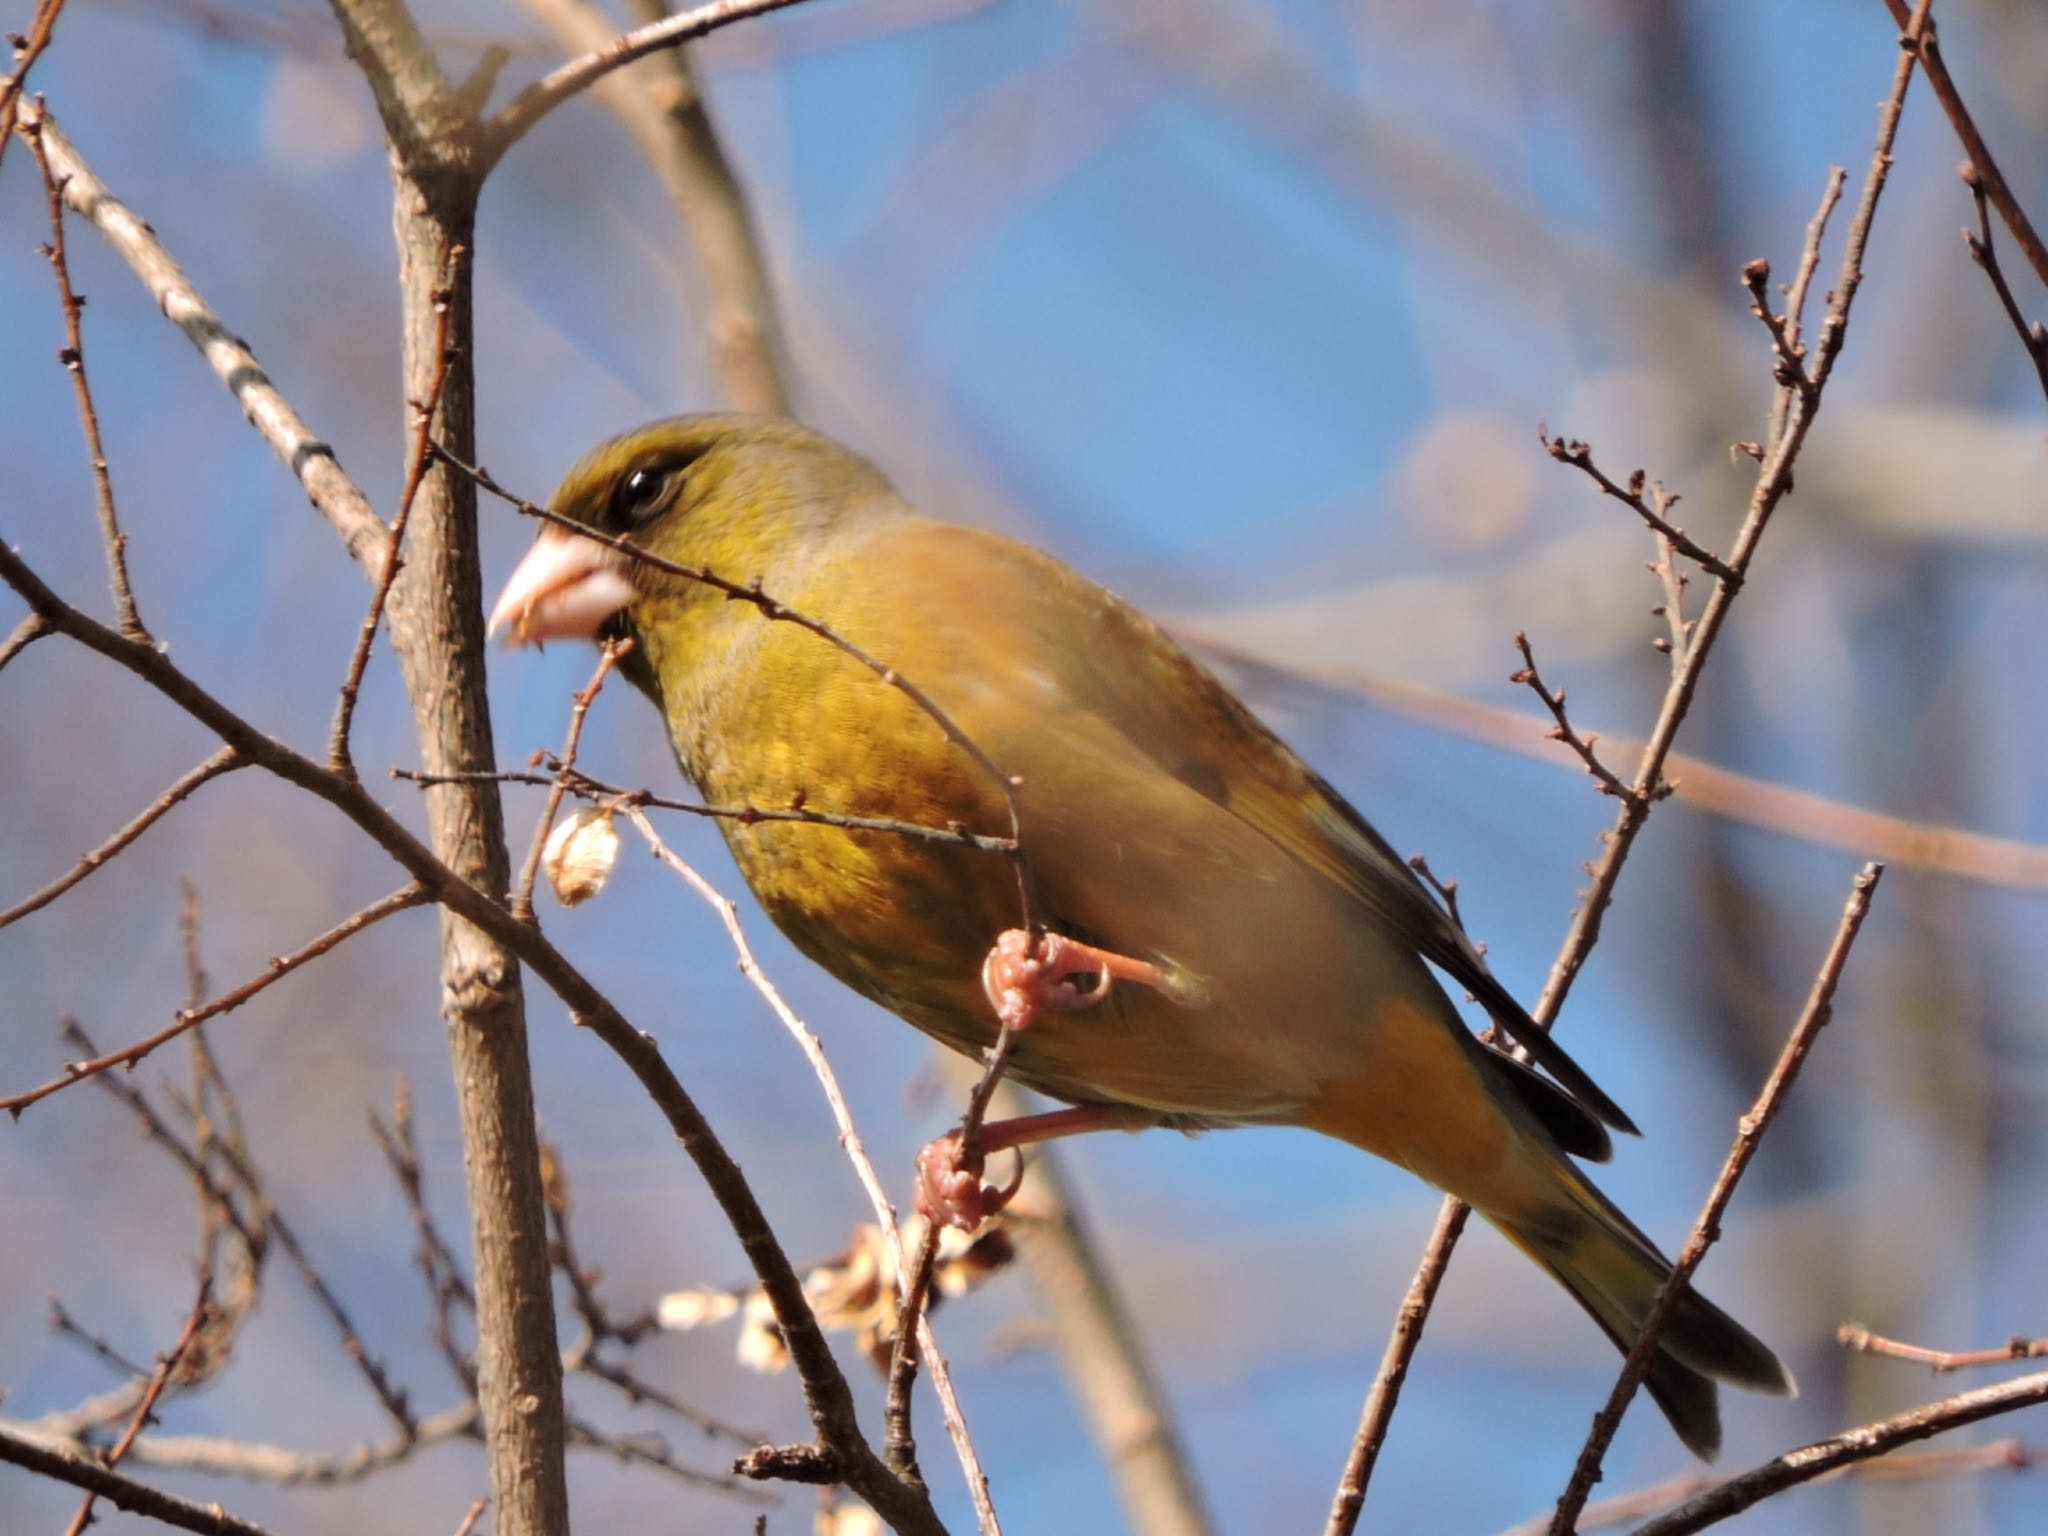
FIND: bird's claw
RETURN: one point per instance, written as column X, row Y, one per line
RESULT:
column 949, row 1187
column 1026, row 972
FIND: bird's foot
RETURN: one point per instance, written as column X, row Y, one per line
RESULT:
column 949, row 1187
column 1026, row 972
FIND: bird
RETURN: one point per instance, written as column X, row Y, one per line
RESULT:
column 1214, row 937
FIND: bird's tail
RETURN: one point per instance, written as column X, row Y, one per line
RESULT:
column 1615, row 1272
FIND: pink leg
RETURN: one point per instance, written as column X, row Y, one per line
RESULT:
column 1025, row 973
column 949, row 1187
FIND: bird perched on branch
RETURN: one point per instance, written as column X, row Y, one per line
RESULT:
column 1213, row 937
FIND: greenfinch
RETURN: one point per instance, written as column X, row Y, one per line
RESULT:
column 1221, row 939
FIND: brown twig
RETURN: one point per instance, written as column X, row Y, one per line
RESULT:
column 1901, row 1466
column 579, row 709
column 585, row 787
column 663, row 108
column 72, row 356
column 476, row 1513
column 424, row 412
column 226, row 760
column 158, row 1379
column 1784, row 333
column 1820, row 1004
column 1581, row 746
column 312, row 460
column 447, row 1289
column 188, row 1018
column 898, row 1446
column 1984, row 251
column 1856, row 1337
column 27, row 49
column 1796, row 813
column 1849, row 1448
column 81, row 1471
column 907, row 1271
column 1798, row 410
column 1656, row 511
column 1918, row 35
column 516, row 118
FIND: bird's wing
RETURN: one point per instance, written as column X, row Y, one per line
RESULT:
column 1188, row 722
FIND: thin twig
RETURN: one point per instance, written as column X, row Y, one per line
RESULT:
column 1580, row 456
column 158, row 1379
column 27, row 50
column 1984, row 251
column 1821, row 820
column 1581, row 746
column 585, row 787
column 516, row 118
column 312, row 460
column 662, row 106
column 1774, row 480
column 1846, row 1449
column 1941, row 1361
column 226, row 760
column 2010, row 1454
column 1917, row 33
column 72, row 356
column 579, row 709
column 424, row 412
column 856, row 1152
column 476, row 1513
column 188, row 1018
column 122, row 1492
column 1820, row 1006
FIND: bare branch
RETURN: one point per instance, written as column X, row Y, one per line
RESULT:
column 517, row 117
column 1580, row 456
column 1941, row 1361
column 1813, row 1018
column 585, row 787
column 1900, row 1467
column 188, row 1018
column 122, row 1492
column 849, row 1139
column 1846, row 1449
column 1781, row 808
column 166, row 1364
column 1919, row 37
column 72, row 356
column 27, row 50
column 663, row 108
column 1580, row 746
column 1983, row 250
column 337, row 497
column 424, row 412
column 226, row 760
column 522, row 891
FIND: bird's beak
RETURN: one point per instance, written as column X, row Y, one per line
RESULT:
column 565, row 588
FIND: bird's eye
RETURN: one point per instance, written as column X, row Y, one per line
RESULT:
column 640, row 494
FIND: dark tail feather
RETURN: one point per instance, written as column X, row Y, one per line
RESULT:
column 1615, row 1272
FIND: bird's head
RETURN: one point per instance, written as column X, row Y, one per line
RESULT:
column 736, row 495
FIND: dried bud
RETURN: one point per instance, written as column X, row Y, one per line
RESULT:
column 680, row 1311
column 580, row 854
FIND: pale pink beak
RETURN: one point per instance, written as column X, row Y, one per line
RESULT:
column 564, row 589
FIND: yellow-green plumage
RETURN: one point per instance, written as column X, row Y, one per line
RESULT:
column 1161, row 821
